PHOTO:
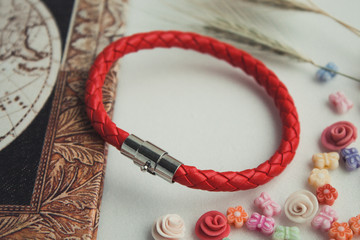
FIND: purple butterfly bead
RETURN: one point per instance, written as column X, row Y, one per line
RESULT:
column 351, row 158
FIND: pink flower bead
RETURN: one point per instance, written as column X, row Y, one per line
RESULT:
column 340, row 102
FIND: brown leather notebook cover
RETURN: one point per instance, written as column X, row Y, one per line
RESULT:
column 64, row 197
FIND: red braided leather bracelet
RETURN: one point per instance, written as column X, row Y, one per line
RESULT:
column 157, row 161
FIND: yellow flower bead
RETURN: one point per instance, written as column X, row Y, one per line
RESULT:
column 326, row 160
column 319, row 177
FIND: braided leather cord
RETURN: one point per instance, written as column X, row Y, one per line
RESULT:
column 188, row 175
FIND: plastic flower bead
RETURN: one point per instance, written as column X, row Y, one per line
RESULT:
column 324, row 75
column 212, row 225
column 301, row 206
column 326, row 160
column 319, row 177
column 168, row 227
column 286, row 233
column 324, row 219
column 355, row 224
column 268, row 206
column 351, row 158
column 261, row 223
column 340, row 231
column 339, row 135
column 237, row 216
column 326, row 194
column 340, row 102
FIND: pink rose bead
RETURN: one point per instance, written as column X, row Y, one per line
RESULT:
column 212, row 225
column 339, row 135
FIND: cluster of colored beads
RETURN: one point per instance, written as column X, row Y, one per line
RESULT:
column 214, row 225
column 299, row 207
column 335, row 137
column 266, row 223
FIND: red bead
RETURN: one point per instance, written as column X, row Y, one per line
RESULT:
column 326, row 194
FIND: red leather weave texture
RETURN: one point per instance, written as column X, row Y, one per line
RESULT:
column 187, row 175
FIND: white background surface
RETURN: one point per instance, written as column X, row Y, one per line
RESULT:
column 208, row 114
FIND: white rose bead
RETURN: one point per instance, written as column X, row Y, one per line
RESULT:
column 170, row 226
column 301, row 206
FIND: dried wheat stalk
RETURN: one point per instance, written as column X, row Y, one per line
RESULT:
column 220, row 19
column 223, row 19
column 285, row 4
column 310, row 6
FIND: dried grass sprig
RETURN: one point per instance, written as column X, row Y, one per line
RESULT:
column 221, row 19
column 271, row 45
column 224, row 19
column 285, row 4
column 310, row 6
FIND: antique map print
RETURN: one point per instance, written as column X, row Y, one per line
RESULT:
column 30, row 53
column 67, row 193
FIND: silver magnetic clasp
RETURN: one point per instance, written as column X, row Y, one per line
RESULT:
column 150, row 158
